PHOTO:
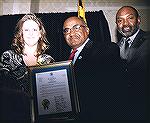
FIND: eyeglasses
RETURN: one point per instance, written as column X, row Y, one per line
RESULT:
column 74, row 28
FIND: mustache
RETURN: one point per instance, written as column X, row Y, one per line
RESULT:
column 74, row 37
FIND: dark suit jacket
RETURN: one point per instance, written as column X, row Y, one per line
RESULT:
column 137, row 71
column 101, row 93
column 14, row 106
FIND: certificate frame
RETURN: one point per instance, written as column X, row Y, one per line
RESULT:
column 54, row 92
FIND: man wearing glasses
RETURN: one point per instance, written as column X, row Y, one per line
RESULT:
column 101, row 94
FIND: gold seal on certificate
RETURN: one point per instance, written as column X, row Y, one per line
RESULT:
column 54, row 90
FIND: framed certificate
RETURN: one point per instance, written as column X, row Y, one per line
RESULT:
column 54, row 91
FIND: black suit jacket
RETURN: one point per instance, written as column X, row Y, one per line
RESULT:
column 101, row 93
column 137, row 74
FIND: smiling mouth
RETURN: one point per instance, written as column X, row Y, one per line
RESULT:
column 126, row 29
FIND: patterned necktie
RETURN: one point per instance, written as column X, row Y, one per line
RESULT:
column 71, row 57
column 124, row 48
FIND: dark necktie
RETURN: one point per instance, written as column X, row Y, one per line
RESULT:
column 126, row 44
column 124, row 48
column 71, row 57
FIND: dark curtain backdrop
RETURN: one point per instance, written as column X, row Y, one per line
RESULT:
column 53, row 23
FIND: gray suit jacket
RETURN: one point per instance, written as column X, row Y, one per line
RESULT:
column 139, row 50
column 137, row 74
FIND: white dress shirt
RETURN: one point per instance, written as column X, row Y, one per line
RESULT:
column 132, row 38
column 79, row 49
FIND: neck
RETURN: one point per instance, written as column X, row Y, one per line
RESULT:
column 28, row 50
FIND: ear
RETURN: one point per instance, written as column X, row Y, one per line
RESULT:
column 138, row 20
column 88, row 30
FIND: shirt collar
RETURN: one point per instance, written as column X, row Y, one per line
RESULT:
column 132, row 38
column 81, row 47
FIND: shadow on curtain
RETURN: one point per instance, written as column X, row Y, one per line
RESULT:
column 53, row 22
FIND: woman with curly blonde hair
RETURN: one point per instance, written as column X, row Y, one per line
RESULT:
column 28, row 47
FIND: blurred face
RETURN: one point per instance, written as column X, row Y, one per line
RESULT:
column 31, row 32
column 75, row 32
column 127, row 22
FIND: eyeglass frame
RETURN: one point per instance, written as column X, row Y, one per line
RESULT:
column 75, row 28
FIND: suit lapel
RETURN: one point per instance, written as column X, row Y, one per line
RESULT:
column 120, row 43
column 85, row 51
column 138, row 41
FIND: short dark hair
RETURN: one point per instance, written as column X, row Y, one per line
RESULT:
column 135, row 10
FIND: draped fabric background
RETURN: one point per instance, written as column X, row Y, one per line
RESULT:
column 53, row 23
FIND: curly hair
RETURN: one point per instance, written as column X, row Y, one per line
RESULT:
column 18, row 41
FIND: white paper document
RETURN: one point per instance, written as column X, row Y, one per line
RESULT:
column 53, row 94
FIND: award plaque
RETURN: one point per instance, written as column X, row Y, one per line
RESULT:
column 54, row 91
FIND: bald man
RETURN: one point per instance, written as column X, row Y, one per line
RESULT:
column 100, row 92
column 135, row 52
